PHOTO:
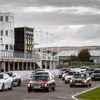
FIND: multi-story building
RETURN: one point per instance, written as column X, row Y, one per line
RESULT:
column 24, row 38
column 17, row 48
column 7, row 33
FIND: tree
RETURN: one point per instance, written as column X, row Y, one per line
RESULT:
column 84, row 55
column 73, row 58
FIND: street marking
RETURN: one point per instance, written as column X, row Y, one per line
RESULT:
column 74, row 96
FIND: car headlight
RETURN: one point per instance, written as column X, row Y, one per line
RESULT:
column 46, row 85
column 29, row 85
column 71, row 81
column 66, row 78
column 85, row 81
column 42, row 84
column 63, row 75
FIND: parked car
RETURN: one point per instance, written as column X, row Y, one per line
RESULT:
column 16, row 78
column 41, row 82
column 69, row 76
column 95, row 75
column 5, row 82
column 80, row 79
column 62, row 71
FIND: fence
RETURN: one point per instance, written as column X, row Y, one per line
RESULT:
column 83, row 63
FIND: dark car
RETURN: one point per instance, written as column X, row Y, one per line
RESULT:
column 41, row 82
column 62, row 71
column 16, row 78
column 95, row 75
column 80, row 79
column 90, row 71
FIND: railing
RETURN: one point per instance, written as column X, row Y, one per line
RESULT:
column 5, row 54
column 18, row 54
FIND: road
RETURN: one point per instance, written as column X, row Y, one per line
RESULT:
column 62, row 92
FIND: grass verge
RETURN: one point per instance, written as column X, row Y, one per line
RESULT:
column 91, row 95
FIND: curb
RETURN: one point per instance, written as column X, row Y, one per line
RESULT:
column 74, row 96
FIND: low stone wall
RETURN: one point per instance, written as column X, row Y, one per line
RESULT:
column 26, row 74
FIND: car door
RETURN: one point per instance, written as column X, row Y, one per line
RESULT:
column 15, row 79
column 52, row 83
column 6, row 80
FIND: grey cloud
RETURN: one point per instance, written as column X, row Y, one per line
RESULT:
column 89, row 32
column 55, row 18
column 54, row 3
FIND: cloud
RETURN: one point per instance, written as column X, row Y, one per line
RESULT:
column 76, row 22
column 88, row 32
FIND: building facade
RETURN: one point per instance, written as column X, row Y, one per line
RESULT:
column 7, row 33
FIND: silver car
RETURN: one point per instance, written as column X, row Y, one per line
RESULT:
column 5, row 82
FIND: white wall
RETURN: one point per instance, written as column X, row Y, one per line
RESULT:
column 26, row 74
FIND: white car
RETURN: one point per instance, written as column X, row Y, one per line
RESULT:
column 69, row 76
column 5, row 82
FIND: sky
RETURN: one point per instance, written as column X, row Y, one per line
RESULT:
column 58, row 22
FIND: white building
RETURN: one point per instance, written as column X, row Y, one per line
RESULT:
column 8, row 59
column 6, row 33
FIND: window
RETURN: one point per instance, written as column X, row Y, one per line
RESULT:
column 6, row 47
column 11, row 47
column 6, row 18
column 26, row 48
column 6, row 33
column 1, row 32
column 1, row 18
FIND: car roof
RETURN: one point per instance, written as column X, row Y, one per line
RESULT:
column 41, row 75
column 42, row 71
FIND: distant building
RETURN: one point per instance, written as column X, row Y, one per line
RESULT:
column 7, row 32
column 65, row 55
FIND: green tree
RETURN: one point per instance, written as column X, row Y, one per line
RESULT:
column 74, row 58
column 84, row 55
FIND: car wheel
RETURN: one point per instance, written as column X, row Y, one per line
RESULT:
column 11, row 86
column 29, row 90
column 90, row 84
column 48, row 90
column 65, row 82
column 87, row 85
column 3, row 86
column 19, row 84
column 53, row 88
column 71, row 85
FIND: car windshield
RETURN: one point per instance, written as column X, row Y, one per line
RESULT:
column 80, row 75
column 1, row 76
column 70, row 73
column 42, row 73
column 91, row 69
column 97, row 71
column 83, row 67
column 10, row 74
column 41, row 78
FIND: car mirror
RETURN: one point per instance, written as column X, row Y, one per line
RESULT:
column 14, row 75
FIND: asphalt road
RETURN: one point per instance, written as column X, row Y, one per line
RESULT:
column 62, row 92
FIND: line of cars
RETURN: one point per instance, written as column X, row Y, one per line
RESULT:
column 8, row 80
column 41, row 79
column 82, row 76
